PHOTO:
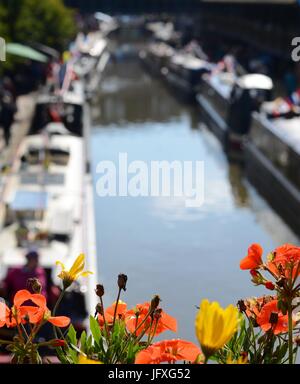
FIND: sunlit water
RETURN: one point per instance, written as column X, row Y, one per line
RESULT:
column 184, row 254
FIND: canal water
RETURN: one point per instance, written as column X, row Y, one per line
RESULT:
column 183, row 254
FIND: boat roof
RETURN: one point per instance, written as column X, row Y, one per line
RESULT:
column 255, row 81
column 287, row 130
column 29, row 200
column 222, row 83
column 191, row 62
column 60, row 202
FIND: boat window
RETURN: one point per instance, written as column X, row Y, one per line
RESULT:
column 46, row 178
column 57, row 156
column 63, row 238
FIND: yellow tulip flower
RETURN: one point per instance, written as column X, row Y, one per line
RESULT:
column 76, row 271
column 215, row 326
column 82, row 359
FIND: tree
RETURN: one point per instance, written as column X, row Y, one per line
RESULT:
column 44, row 21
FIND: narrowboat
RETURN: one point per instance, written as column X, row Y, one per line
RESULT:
column 272, row 158
column 226, row 102
column 156, row 56
column 48, row 207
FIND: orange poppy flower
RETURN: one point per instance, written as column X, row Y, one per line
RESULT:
column 270, row 317
column 253, row 259
column 136, row 316
column 254, row 305
column 109, row 313
column 286, row 261
column 33, row 308
column 168, row 351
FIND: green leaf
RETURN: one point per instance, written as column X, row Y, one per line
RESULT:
column 95, row 329
column 83, row 339
column 72, row 337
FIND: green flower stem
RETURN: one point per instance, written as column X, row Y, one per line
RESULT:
column 144, row 320
column 58, row 301
column 25, row 332
column 104, row 319
column 115, row 311
column 154, row 332
column 290, row 339
column 55, row 309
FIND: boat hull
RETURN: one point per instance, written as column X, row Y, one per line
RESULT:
column 276, row 178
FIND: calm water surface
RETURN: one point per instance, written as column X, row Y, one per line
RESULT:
column 183, row 254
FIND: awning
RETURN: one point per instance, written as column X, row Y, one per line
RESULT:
column 26, row 52
column 29, row 201
column 45, row 50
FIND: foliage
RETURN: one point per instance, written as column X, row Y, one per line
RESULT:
column 48, row 22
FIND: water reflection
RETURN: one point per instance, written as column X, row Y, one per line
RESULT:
column 130, row 95
column 239, row 190
column 183, row 254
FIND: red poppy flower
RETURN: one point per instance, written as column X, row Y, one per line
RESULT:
column 270, row 317
column 109, row 313
column 168, row 351
column 253, row 259
column 136, row 316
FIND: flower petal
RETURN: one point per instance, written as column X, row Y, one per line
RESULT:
column 62, row 265
column 77, row 266
column 4, row 313
column 21, row 296
column 60, row 321
column 86, row 273
column 39, row 300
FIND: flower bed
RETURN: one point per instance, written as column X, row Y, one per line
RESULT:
column 260, row 330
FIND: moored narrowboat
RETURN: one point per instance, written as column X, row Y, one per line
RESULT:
column 272, row 156
column 226, row 102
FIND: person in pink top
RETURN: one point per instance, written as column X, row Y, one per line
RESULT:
column 17, row 278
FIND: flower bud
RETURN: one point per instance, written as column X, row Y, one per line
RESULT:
column 241, row 306
column 254, row 273
column 256, row 277
column 34, row 284
column 58, row 343
column 269, row 285
column 154, row 303
column 99, row 290
column 122, row 280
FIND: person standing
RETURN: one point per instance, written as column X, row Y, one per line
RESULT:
column 17, row 278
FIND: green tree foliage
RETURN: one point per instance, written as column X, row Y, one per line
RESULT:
column 3, row 26
column 44, row 21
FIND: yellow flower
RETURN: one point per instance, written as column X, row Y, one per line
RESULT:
column 215, row 326
column 82, row 359
column 75, row 271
